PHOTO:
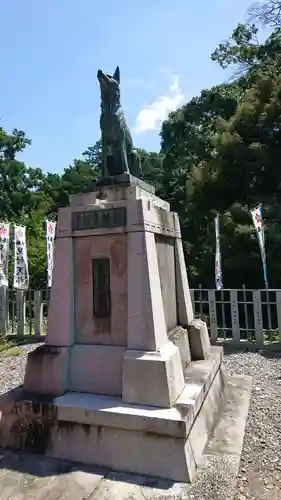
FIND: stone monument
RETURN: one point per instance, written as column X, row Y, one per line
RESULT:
column 127, row 378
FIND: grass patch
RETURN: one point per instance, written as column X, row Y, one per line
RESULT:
column 8, row 347
column 12, row 351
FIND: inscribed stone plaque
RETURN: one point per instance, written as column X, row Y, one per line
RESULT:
column 101, row 287
column 96, row 219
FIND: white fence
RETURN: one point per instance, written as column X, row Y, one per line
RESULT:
column 240, row 316
column 23, row 313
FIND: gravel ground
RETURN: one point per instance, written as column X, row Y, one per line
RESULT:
column 12, row 368
column 260, row 468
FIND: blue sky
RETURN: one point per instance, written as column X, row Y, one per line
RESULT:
column 50, row 52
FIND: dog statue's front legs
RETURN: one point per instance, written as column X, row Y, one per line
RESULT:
column 104, row 158
column 124, row 157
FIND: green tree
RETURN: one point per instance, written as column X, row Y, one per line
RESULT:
column 19, row 184
column 36, row 248
column 152, row 169
column 248, row 56
column 221, row 154
column 186, row 141
column 57, row 188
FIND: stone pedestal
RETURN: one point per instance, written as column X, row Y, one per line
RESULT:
column 123, row 356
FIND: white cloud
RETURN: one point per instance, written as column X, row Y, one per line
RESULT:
column 152, row 115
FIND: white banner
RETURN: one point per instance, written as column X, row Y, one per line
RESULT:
column 4, row 252
column 21, row 275
column 218, row 270
column 50, row 241
column 259, row 227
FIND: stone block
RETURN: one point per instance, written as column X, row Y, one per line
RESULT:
column 185, row 308
column 96, row 369
column 179, row 337
column 146, row 319
column 103, row 430
column 203, row 424
column 124, row 450
column 60, row 328
column 47, row 370
column 199, row 339
column 166, row 265
column 153, row 378
column 63, row 228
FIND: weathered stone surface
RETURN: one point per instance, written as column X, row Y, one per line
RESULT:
column 96, row 369
column 199, row 339
column 184, row 304
column 119, row 180
column 29, row 477
column 106, row 431
column 47, row 371
column 147, row 329
column 91, row 329
column 203, row 424
column 179, row 337
column 166, row 264
column 154, row 379
column 94, row 219
column 61, row 323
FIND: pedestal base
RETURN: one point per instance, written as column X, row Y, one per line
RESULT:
column 102, row 430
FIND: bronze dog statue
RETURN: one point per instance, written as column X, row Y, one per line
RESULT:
column 118, row 153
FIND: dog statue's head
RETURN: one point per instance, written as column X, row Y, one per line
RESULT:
column 109, row 84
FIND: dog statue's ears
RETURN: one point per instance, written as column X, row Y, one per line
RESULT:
column 116, row 75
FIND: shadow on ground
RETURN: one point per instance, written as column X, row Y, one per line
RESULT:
column 41, row 467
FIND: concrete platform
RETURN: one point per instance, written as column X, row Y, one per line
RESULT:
column 102, row 430
column 23, row 476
